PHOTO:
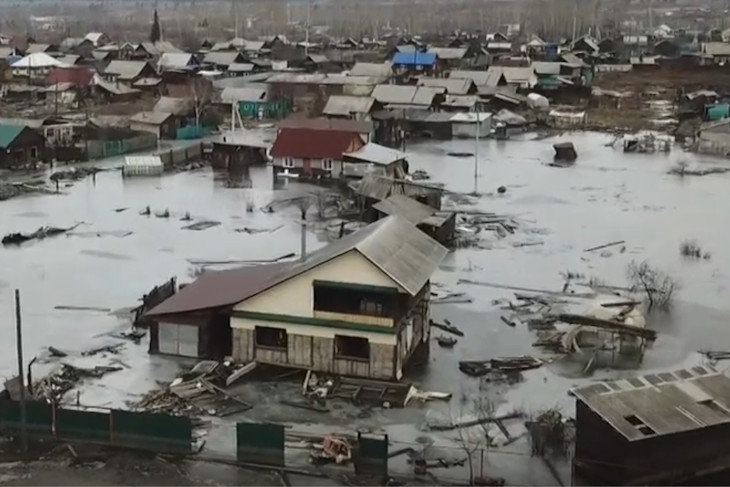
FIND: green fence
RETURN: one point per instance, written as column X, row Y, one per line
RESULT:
column 260, row 443
column 144, row 431
column 193, row 132
column 371, row 456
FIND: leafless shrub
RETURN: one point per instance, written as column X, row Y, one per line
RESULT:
column 691, row 249
column 473, row 440
column 550, row 434
column 656, row 285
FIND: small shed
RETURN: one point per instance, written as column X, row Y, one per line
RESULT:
column 439, row 225
column 374, row 158
column 162, row 124
column 565, row 152
column 142, row 166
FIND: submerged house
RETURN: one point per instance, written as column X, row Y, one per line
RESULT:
column 357, row 307
column 670, row 428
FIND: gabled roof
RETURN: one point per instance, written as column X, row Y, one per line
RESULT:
column 449, row 53
column 318, row 58
column 401, row 251
column 344, row 105
column 415, row 58
column 8, row 133
column 589, row 41
column 223, row 58
column 478, row 77
column 7, row 51
column 307, row 143
column 37, row 60
column 452, row 86
column 113, row 88
column 34, row 48
column 94, row 37
column 240, row 67
column 354, row 126
column 126, row 70
column 151, row 118
column 404, row 95
column 172, row 60
column 376, row 154
column 372, row 69
column 405, row 207
column 460, row 101
column 157, row 48
column 70, row 43
column 69, row 59
column 546, row 68
column 249, row 94
column 175, row 106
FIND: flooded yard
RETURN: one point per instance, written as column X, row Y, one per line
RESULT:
column 606, row 197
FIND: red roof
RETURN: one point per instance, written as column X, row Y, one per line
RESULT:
column 307, row 143
column 78, row 75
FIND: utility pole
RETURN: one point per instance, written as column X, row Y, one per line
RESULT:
column 476, row 156
column 19, row 339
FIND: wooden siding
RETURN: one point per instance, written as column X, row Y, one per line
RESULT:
column 300, row 350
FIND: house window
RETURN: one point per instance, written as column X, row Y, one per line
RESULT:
column 270, row 337
column 371, row 308
column 352, row 348
column 33, row 152
column 288, row 162
column 327, row 164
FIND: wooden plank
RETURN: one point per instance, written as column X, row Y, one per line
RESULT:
column 607, row 325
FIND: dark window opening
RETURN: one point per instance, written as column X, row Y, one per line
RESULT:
column 642, row 427
column 354, row 301
column 352, row 348
column 371, row 308
column 270, row 337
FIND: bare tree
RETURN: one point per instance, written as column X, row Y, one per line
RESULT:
column 656, row 285
column 201, row 93
column 472, row 440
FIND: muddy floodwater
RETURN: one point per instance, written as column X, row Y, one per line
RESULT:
column 607, row 196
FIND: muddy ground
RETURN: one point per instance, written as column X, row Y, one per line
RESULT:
column 606, row 196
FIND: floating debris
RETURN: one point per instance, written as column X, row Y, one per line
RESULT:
column 53, row 387
column 446, row 341
column 41, row 233
column 201, row 225
column 73, row 174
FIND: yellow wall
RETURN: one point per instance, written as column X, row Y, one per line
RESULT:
column 295, row 296
column 315, row 331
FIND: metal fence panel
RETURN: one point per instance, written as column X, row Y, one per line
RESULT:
column 39, row 418
column 72, row 424
column 151, row 431
column 372, row 455
column 260, row 443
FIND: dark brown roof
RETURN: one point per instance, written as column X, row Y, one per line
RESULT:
column 308, row 143
column 217, row 289
column 341, row 125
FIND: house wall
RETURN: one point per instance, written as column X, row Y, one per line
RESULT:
column 27, row 148
column 316, row 351
column 296, row 165
column 295, row 297
column 146, row 127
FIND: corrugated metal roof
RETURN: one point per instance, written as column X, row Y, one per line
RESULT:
column 372, row 69
column 318, row 58
column 402, row 252
column 356, row 126
column 175, row 106
column 37, row 60
column 35, row 48
column 542, row 67
column 307, row 143
column 453, row 86
column 379, row 188
column 460, row 101
column 668, row 402
column 377, row 154
column 425, row 95
column 8, row 133
column 223, row 58
column 125, row 70
column 240, row 67
column 113, row 88
column 394, row 94
column 151, row 118
column 405, row 207
column 171, row 60
column 478, row 77
column 415, row 58
column 250, row 94
column 143, row 161
column 453, row 53
column 343, row 105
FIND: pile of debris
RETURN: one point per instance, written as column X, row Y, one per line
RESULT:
column 73, row 174
column 54, row 386
column 12, row 190
column 202, row 390
column 550, row 434
column 473, row 224
column 504, row 369
column 41, row 233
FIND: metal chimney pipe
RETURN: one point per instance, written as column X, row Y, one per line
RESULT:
column 303, row 244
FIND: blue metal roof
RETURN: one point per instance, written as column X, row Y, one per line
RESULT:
column 416, row 58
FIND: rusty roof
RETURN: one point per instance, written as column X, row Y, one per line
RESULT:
column 306, row 143
column 216, row 289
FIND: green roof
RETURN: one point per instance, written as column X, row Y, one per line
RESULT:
column 8, row 133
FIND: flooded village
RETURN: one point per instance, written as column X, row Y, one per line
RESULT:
column 271, row 245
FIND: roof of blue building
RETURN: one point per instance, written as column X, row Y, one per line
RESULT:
column 416, row 58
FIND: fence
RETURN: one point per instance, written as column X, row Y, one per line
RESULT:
column 98, row 149
column 181, row 154
column 193, row 132
column 126, row 429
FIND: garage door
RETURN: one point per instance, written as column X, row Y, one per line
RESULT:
column 178, row 339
